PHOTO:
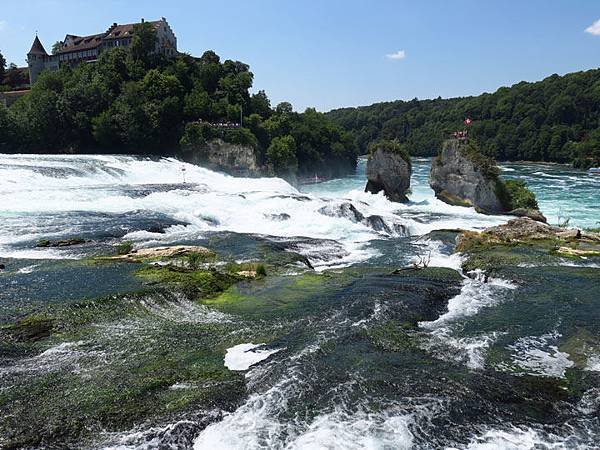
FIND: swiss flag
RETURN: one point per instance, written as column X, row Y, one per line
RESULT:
column 468, row 121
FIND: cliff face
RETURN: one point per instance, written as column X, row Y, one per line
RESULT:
column 234, row 159
column 458, row 180
column 389, row 172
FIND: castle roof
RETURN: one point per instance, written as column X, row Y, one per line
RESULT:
column 82, row 43
column 126, row 30
column 37, row 48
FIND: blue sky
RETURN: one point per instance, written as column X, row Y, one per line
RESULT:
column 334, row 53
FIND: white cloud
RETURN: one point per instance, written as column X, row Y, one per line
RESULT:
column 400, row 54
column 594, row 28
column 3, row 25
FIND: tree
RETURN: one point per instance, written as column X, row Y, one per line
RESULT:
column 284, row 108
column 2, row 68
column 260, row 104
column 281, row 154
column 14, row 77
column 57, row 47
column 143, row 42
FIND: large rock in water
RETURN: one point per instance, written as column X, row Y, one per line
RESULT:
column 460, row 180
column 217, row 154
column 390, row 172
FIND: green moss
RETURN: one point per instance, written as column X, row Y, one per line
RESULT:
column 394, row 336
column 194, row 283
column 391, row 147
column 451, row 199
column 124, row 248
column 484, row 164
column 31, row 328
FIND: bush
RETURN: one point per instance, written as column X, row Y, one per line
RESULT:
column 124, row 248
column 486, row 165
column 195, row 260
column 240, row 136
column 281, row 155
column 391, row 147
column 514, row 194
column 261, row 271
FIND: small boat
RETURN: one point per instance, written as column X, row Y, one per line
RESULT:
column 594, row 170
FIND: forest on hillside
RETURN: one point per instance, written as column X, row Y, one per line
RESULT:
column 557, row 119
column 135, row 101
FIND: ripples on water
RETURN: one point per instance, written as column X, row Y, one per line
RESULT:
column 304, row 396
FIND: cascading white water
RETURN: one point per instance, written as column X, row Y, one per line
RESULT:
column 36, row 186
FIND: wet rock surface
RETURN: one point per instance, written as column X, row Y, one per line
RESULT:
column 388, row 172
column 457, row 180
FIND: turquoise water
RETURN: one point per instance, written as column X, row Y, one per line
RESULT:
column 562, row 192
column 359, row 355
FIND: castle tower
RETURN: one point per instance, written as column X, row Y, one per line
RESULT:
column 36, row 60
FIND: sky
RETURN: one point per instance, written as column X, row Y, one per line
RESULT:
column 335, row 53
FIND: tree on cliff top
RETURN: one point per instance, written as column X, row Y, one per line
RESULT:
column 2, row 67
column 392, row 146
column 143, row 42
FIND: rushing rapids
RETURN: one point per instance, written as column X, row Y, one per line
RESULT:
column 336, row 352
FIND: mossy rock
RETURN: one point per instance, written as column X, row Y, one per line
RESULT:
column 394, row 336
column 447, row 197
column 194, row 283
column 31, row 328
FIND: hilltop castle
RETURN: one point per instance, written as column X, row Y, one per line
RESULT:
column 77, row 49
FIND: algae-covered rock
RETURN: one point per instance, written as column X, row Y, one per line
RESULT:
column 31, row 328
column 165, row 252
column 521, row 230
column 389, row 170
column 60, row 243
column 533, row 214
column 523, row 242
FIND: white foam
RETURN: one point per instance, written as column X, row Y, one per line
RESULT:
column 537, row 355
column 512, row 439
column 241, row 357
column 354, row 432
column 475, row 294
column 31, row 185
column 593, row 363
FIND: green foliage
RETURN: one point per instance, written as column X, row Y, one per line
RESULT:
column 514, row 194
column 135, row 101
column 143, row 42
column 557, row 119
column 282, row 155
column 261, row 271
column 485, row 164
column 124, row 248
column 390, row 146
column 56, row 47
column 320, row 146
column 195, row 260
column 2, row 67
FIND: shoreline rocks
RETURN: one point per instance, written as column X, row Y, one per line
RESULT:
column 389, row 170
column 164, row 252
column 523, row 230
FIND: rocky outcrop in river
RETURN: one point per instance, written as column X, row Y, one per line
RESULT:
column 460, row 180
column 389, row 170
column 234, row 159
column 461, row 175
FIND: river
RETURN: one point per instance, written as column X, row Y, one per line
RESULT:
column 480, row 365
